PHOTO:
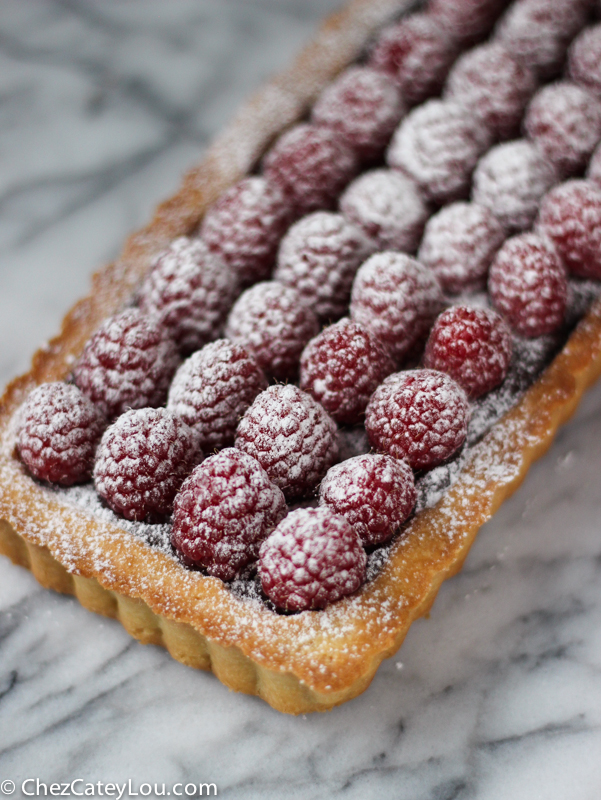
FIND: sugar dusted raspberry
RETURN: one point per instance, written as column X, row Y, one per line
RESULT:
column 496, row 87
column 418, row 52
column 374, row 493
column 564, row 122
column 388, row 207
column 420, row 415
column 59, row 432
column 213, row 388
column 291, row 436
column 319, row 257
column 438, row 145
column 584, row 59
column 342, row 367
column 570, row 215
column 223, row 512
column 527, row 283
column 311, row 165
column 274, row 324
column 363, row 106
column 594, row 167
column 459, row 244
column 190, row 290
column 510, row 180
column 473, row 346
column 244, row 228
column 538, row 32
column 466, row 20
column 311, row 559
column 398, row 298
column 127, row 363
column 142, row 461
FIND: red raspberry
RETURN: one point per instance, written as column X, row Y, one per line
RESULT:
column 292, row 438
column 398, row 298
column 363, row 107
column 584, row 60
column 223, row 512
column 537, row 32
column 342, row 367
column 190, row 290
column 319, row 257
column 473, row 346
column 311, row 165
column 244, row 228
column 510, row 180
column 458, row 245
column 496, row 87
column 59, row 432
column 418, row 52
column 213, row 388
column 142, row 461
column 127, row 363
column 388, row 207
column 528, row 284
column 374, row 493
column 571, row 216
column 466, row 21
column 311, row 559
column 271, row 321
column 564, row 122
column 594, row 167
column 438, row 145
column 420, row 415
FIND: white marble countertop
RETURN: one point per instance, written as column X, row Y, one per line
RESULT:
column 103, row 103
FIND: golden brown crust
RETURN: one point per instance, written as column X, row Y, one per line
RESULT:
column 315, row 660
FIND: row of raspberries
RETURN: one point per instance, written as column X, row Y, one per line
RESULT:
column 278, row 443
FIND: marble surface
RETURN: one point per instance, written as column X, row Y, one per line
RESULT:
column 496, row 696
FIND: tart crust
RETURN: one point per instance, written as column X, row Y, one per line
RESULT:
column 314, row 660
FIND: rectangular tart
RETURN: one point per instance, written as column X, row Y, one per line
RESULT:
column 314, row 660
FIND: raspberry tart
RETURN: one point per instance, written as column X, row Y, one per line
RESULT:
column 287, row 574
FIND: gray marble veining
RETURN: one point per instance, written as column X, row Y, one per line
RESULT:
column 496, row 696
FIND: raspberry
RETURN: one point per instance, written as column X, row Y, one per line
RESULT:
column 420, row 415
column 527, row 283
column 127, row 363
column 388, row 207
column 564, row 122
column 459, row 244
column 311, row 559
column 311, row 165
column 438, row 145
column 496, row 87
column 510, row 180
column 466, row 20
column 473, row 346
column 142, row 461
column 319, row 257
column 374, row 493
column 244, row 228
column 292, row 438
column 190, row 290
column 212, row 390
column 537, row 32
column 418, row 53
column 271, row 321
column 342, row 367
column 223, row 512
column 571, row 216
column 59, row 432
column 584, row 60
column 398, row 298
column 594, row 167
column 363, row 107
